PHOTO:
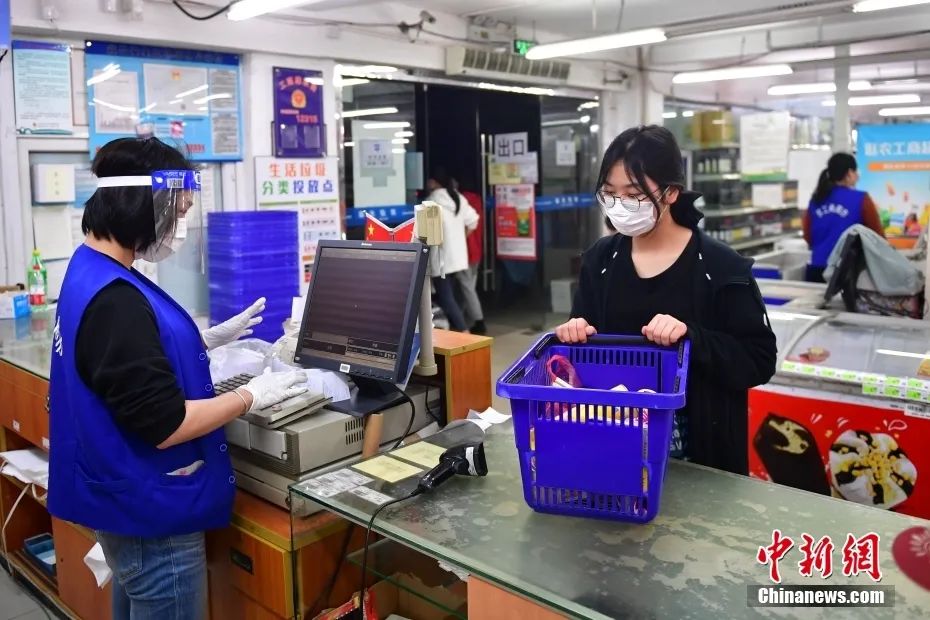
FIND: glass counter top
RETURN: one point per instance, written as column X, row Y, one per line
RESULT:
column 27, row 342
column 695, row 560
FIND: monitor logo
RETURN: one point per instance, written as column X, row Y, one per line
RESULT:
column 345, row 368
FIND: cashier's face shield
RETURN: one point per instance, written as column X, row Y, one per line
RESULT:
column 177, row 211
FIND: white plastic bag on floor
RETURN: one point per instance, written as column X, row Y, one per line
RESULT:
column 235, row 358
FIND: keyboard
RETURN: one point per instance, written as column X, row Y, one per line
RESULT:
column 279, row 414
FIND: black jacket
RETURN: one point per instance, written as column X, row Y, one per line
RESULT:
column 732, row 344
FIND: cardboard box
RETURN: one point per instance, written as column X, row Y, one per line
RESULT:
column 395, row 597
column 14, row 305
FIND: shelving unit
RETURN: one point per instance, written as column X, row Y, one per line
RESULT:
column 763, row 241
column 720, row 213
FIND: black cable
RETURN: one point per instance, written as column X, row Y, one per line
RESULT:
column 413, row 415
column 202, row 18
column 429, row 410
column 371, row 523
column 327, row 592
column 3, row 55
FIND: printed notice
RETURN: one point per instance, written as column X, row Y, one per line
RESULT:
column 370, row 495
column 421, row 453
column 387, row 469
column 224, row 90
column 116, row 102
column 335, row 483
column 225, row 133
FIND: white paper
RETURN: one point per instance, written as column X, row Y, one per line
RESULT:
column 565, row 154
column 164, row 85
column 29, row 466
column 116, row 101
column 335, row 483
column 52, row 226
column 297, row 309
column 509, row 146
column 458, row 572
column 765, row 140
column 97, row 564
column 208, row 190
column 767, row 195
column 42, row 90
column 370, row 495
column 56, row 270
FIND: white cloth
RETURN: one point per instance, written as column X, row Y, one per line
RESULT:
column 454, row 230
column 97, row 564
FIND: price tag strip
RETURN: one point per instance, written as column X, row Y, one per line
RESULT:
column 873, row 384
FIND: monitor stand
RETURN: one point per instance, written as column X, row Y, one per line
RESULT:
column 368, row 396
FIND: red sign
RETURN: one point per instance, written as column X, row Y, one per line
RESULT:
column 515, row 221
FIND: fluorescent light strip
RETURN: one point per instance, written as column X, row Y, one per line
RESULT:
column 387, row 125
column 619, row 40
column 369, row 112
column 366, row 69
column 916, row 356
column 912, row 111
column 733, row 73
column 669, row 114
column 877, row 100
column 522, row 90
column 588, row 105
column 687, row 114
column 400, row 141
column 247, row 9
column 349, row 144
column 315, row 80
column 867, row 6
column 341, row 82
column 398, row 151
column 815, row 88
column 403, row 134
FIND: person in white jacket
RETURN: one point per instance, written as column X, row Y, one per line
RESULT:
column 458, row 219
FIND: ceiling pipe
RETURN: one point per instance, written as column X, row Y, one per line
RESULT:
column 831, row 44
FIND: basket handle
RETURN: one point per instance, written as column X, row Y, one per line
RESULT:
column 596, row 339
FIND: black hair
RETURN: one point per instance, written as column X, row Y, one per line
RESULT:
column 651, row 152
column 838, row 167
column 441, row 176
column 127, row 214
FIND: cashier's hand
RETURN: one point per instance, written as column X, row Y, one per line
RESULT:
column 235, row 328
column 665, row 330
column 271, row 388
column 576, row 330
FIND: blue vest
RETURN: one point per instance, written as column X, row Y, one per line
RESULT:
column 105, row 479
column 830, row 219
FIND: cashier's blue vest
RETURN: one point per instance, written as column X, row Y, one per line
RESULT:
column 108, row 480
column 830, row 219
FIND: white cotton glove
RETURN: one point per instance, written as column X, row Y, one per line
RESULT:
column 235, row 328
column 270, row 388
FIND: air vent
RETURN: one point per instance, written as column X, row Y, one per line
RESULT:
column 355, row 431
column 504, row 65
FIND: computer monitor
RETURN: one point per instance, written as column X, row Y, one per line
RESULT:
column 360, row 317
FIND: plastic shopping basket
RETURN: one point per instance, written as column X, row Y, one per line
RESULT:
column 593, row 451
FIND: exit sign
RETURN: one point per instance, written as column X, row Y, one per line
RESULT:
column 522, row 46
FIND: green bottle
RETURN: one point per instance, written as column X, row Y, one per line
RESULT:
column 37, row 283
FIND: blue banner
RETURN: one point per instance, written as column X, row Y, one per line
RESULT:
column 5, row 25
column 894, row 168
column 298, row 113
column 188, row 98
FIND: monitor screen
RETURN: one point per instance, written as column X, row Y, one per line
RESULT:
column 362, row 308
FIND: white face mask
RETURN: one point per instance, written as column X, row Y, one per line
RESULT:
column 160, row 251
column 632, row 219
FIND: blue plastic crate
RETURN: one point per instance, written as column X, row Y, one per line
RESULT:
column 40, row 550
column 592, row 451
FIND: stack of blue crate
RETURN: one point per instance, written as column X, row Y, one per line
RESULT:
column 253, row 254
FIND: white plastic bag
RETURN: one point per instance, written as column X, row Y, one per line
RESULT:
column 235, row 358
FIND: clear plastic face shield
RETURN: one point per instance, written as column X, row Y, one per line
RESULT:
column 177, row 214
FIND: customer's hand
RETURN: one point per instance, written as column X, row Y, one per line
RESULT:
column 665, row 330
column 235, row 328
column 271, row 388
column 576, row 330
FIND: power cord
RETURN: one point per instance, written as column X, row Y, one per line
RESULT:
column 413, row 415
column 3, row 55
column 325, row 594
column 202, row 18
column 362, row 590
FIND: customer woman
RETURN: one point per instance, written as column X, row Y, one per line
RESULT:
column 458, row 219
column 834, row 207
column 139, row 451
column 661, row 277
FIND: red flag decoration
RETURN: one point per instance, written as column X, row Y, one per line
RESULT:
column 376, row 230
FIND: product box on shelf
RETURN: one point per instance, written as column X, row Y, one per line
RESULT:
column 14, row 305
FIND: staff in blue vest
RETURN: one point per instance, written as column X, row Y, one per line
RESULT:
column 834, row 207
column 138, row 450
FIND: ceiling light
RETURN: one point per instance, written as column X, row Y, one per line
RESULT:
column 585, row 119
column 595, row 128
column 369, row 112
column 687, row 114
column 341, row 82
column 191, row 91
column 365, row 69
column 213, row 98
column 400, row 141
column 398, row 151
column 916, row 356
column 817, row 87
column 349, row 144
column 387, row 125
column 403, row 134
column 597, row 44
column 315, row 80
column 867, row 6
column 247, row 9
column 913, row 111
column 877, row 100
column 588, row 105
column 669, row 114
column 733, row 73
column 522, row 90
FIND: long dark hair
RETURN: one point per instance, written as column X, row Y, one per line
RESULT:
column 651, row 151
column 838, row 167
column 441, row 176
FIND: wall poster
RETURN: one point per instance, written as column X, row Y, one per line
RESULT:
column 42, row 87
column 515, row 222
column 188, row 98
column 298, row 113
column 310, row 187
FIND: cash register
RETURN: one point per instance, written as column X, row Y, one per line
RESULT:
column 360, row 319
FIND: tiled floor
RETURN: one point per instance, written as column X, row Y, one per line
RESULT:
column 14, row 603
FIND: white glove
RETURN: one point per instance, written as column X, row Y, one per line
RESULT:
column 235, row 328
column 271, row 388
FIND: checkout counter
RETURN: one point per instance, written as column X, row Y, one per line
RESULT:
column 258, row 564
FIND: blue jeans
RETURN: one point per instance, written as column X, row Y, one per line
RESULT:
column 445, row 297
column 157, row 578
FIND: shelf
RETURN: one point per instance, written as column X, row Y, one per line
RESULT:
column 730, row 176
column 722, row 146
column 771, row 240
column 24, row 565
column 718, row 213
column 412, row 572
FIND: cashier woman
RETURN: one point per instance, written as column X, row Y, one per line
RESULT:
column 139, row 453
column 662, row 277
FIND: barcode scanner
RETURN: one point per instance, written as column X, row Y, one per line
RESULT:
column 464, row 460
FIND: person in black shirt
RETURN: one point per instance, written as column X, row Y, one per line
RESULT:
column 662, row 277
